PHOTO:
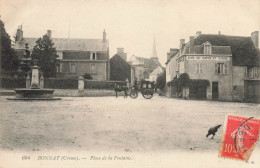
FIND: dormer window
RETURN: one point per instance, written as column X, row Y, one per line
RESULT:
column 59, row 53
column 207, row 48
column 93, row 56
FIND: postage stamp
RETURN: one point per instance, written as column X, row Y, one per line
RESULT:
column 239, row 137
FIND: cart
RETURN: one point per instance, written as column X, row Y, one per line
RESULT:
column 146, row 88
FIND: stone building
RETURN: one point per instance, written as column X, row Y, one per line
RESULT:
column 229, row 63
column 77, row 56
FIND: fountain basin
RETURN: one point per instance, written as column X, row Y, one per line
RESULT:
column 34, row 94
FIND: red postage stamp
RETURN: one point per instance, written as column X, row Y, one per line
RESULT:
column 239, row 137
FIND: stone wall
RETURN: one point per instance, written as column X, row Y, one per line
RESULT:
column 238, row 83
column 83, row 67
column 208, row 73
column 171, row 68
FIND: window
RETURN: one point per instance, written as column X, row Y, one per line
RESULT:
column 225, row 68
column 207, row 48
column 59, row 55
column 93, row 56
column 251, row 72
column 199, row 68
column 93, row 68
column 220, row 68
column 72, row 68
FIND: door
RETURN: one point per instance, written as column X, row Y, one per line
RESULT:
column 252, row 91
column 214, row 90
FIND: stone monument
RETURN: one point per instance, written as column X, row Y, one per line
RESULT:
column 34, row 92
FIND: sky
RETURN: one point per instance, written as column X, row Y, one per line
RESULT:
column 133, row 24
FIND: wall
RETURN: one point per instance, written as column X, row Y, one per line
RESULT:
column 119, row 69
column 82, row 62
column 208, row 73
column 83, row 67
column 139, row 72
column 153, row 76
column 171, row 72
column 238, row 83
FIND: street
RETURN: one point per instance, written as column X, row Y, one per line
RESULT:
column 115, row 124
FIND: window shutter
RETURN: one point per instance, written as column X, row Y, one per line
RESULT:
column 198, row 68
column 216, row 68
column 256, row 72
column 225, row 68
column 60, row 67
column 245, row 72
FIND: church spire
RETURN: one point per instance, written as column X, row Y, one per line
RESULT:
column 154, row 54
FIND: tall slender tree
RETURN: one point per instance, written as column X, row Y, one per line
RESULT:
column 161, row 80
column 9, row 59
column 44, row 54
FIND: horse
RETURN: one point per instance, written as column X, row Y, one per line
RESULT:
column 118, row 88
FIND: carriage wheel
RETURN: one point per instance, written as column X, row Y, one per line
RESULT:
column 148, row 94
column 133, row 94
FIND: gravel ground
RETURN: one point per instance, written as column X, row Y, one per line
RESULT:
column 107, row 123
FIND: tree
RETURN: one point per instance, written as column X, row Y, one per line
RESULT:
column 45, row 56
column 9, row 59
column 161, row 80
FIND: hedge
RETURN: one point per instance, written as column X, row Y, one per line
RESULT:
column 94, row 84
column 184, row 80
column 12, row 83
column 57, row 83
column 191, row 82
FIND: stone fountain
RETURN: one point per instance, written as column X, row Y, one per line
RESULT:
column 34, row 92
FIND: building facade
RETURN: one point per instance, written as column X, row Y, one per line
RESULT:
column 153, row 75
column 120, row 70
column 76, row 56
column 229, row 63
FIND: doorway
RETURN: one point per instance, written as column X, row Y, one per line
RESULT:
column 215, row 90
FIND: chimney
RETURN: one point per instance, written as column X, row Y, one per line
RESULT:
column 198, row 33
column 182, row 41
column 104, row 36
column 191, row 44
column 120, row 52
column 49, row 33
column 219, row 33
column 19, row 34
column 255, row 38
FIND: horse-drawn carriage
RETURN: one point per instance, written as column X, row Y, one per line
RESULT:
column 145, row 87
